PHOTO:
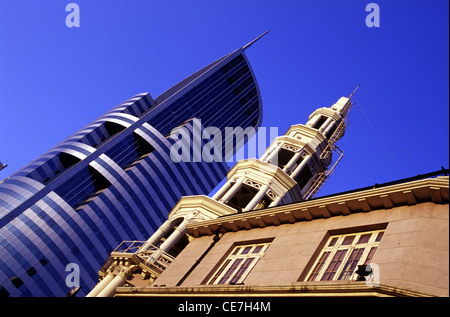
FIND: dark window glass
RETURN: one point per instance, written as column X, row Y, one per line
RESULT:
column 334, row 265
column 113, row 128
column 31, row 271
column 225, row 69
column 348, row 240
column 4, row 292
column 83, row 187
column 330, row 133
column 319, row 266
column 68, row 160
column 303, row 177
column 284, row 156
column 17, row 281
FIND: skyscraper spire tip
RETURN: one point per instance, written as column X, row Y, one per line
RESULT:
column 251, row 43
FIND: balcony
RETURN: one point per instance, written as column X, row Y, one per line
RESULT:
column 150, row 263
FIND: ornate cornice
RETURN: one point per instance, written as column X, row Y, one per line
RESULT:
column 435, row 190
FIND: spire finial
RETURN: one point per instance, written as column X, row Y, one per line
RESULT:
column 351, row 95
column 251, row 43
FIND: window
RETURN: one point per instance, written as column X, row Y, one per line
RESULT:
column 67, row 160
column 3, row 292
column 100, row 134
column 239, row 263
column 52, row 166
column 31, row 271
column 83, row 187
column 342, row 253
column 249, row 96
column 225, row 69
column 17, row 281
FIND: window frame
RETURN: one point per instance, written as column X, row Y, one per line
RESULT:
column 235, row 268
column 338, row 261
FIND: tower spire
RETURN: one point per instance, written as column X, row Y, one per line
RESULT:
column 351, row 95
column 251, row 43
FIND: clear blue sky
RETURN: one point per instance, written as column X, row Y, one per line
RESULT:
column 55, row 79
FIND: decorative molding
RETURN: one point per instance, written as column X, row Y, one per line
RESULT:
column 431, row 190
column 252, row 183
column 291, row 148
column 299, row 289
column 271, row 194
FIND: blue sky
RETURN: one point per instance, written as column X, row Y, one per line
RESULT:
column 55, row 79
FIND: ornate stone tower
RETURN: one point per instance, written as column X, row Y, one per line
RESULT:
column 293, row 168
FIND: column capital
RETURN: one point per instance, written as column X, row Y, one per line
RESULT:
column 126, row 271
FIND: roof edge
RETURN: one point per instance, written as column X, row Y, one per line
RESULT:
column 434, row 190
column 299, row 289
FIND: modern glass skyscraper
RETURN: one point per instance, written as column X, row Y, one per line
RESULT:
column 114, row 180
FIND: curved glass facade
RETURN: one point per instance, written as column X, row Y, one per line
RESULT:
column 114, row 180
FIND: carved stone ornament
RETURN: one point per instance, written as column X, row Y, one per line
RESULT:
column 252, row 183
column 271, row 194
column 291, row 148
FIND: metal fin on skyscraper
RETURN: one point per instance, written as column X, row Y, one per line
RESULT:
column 251, row 43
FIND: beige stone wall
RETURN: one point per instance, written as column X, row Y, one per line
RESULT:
column 413, row 253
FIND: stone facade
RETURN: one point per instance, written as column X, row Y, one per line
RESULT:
column 412, row 256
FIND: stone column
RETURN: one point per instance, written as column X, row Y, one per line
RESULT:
column 274, row 153
column 313, row 120
column 176, row 235
column 222, row 190
column 300, row 166
column 100, row 286
column 291, row 162
column 258, row 197
column 233, row 190
column 156, row 236
column 276, row 201
column 269, row 150
column 330, row 126
column 325, row 125
column 118, row 281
